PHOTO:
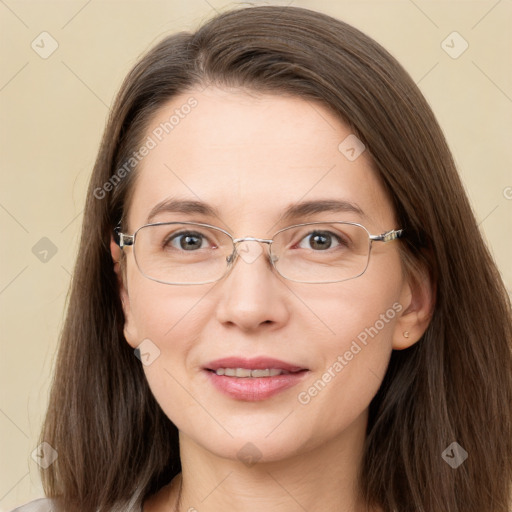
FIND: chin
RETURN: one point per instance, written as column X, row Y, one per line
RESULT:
column 250, row 450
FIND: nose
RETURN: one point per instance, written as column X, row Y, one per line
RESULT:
column 253, row 294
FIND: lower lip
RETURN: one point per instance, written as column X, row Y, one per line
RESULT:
column 253, row 389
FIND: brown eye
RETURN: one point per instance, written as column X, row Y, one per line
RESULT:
column 319, row 241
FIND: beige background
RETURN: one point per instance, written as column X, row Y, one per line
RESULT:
column 53, row 112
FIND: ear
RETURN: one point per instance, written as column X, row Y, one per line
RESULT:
column 130, row 332
column 417, row 300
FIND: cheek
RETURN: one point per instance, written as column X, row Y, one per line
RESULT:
column 358, row 321
column 172, row 318
column 164, row 313
column 354, row 359
column 364, row 308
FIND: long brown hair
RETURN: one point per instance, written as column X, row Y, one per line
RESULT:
column 115, row 444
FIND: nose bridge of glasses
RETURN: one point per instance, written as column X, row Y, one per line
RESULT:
column 250, row 252
column 253, row 252
column 251, row 239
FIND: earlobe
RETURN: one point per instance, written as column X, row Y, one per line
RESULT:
column 115, row 251
column 418, row 301
column 117, row 254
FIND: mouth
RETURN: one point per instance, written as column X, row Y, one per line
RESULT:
column 244, row 373
column 253, row 379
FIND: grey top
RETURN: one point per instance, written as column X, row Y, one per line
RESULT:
column 41, row 505
column 48, row 505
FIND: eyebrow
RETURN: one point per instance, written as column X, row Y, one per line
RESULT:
column 171, row 205
column 294, row 211
column 306, row 208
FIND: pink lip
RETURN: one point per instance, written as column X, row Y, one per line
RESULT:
column 254, row 388
column 257, row 363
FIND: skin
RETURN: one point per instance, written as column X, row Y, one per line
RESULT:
column 251, row 156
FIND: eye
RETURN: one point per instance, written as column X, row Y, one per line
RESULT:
column 321, row 241
column 186, row 241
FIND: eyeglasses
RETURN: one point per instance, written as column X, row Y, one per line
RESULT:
column 184, row 253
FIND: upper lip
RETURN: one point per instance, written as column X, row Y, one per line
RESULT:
column 257, row 363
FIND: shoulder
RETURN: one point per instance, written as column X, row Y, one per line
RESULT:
column 41, row 505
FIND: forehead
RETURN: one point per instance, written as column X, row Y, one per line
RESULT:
column 251, row 156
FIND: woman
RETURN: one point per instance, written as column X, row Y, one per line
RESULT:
column 281, row 300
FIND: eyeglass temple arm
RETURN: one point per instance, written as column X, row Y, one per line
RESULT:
column 387, row 236
column 122, row 239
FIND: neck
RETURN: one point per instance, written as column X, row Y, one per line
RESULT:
column 323, row 478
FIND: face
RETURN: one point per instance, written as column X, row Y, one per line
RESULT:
column 250, row 157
